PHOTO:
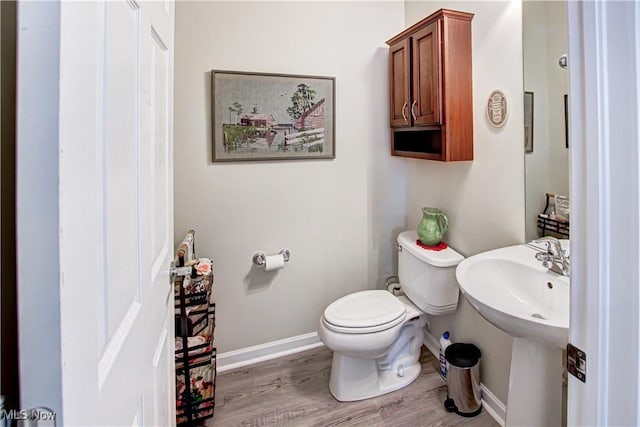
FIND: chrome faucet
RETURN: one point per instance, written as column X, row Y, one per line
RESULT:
column 555, row 260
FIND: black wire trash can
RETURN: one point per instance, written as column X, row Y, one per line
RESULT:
column 463, row 380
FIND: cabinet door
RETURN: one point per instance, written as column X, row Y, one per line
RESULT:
column 426, row 106
column 399, row 88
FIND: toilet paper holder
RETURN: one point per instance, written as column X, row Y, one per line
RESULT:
column 260, row 258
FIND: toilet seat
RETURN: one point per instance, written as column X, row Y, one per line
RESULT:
column 364, row 312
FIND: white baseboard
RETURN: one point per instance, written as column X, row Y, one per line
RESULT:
column 271, row 350
column 490, row 402
column 432, row 344
column 493, row 406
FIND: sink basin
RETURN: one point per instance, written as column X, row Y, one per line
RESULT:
column 514, row 292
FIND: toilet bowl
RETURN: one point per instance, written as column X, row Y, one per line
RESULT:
column 376, row 350
column 377, row 337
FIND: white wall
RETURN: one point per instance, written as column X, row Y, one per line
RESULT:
column 547, row 167
column 484, row 199
column 338, row 217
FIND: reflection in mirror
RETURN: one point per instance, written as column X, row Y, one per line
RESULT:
column 544, row 29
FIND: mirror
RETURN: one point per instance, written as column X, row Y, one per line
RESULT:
column 546, row 84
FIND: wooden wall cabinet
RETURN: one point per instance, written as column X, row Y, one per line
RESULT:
column 430, row 88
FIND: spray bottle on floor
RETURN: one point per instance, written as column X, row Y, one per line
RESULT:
column 444, row 343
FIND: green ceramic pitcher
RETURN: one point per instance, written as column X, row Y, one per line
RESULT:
column 432, row 227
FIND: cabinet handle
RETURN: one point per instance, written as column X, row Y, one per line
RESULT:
column 413, row 114
column 404, row 116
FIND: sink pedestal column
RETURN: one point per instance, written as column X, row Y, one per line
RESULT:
column 535, row 385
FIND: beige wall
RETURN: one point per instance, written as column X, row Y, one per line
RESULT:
column 536, row 80
column 547, row 167
column 557, row 44
column 484, row 199
column 338, row 217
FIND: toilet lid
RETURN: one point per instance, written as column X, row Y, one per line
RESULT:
column 365, row 309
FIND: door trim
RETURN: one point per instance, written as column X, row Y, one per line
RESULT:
column 604, row 60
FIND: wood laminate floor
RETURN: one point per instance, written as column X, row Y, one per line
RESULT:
column 294, row 391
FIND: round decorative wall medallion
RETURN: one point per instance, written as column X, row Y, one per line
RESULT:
column 497, row 109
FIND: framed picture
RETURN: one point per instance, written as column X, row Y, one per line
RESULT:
column 528, row 122
column 566, row 120
column 258, row 116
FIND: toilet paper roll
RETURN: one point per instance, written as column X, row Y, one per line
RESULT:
column 273, row 262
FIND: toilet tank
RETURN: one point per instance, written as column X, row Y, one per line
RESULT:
column 428, row 277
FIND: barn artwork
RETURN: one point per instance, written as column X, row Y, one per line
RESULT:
column 260, row 116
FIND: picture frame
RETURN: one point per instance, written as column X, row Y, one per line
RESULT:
column 261, row 116
column 528, row 122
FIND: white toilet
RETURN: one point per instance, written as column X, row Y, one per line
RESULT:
column 375, row 336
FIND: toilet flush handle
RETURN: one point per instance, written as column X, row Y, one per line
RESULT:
column 399, row 248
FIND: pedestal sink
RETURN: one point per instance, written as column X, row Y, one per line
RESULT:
column 514, row 292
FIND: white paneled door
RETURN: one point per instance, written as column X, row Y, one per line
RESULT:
column 116, row 220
